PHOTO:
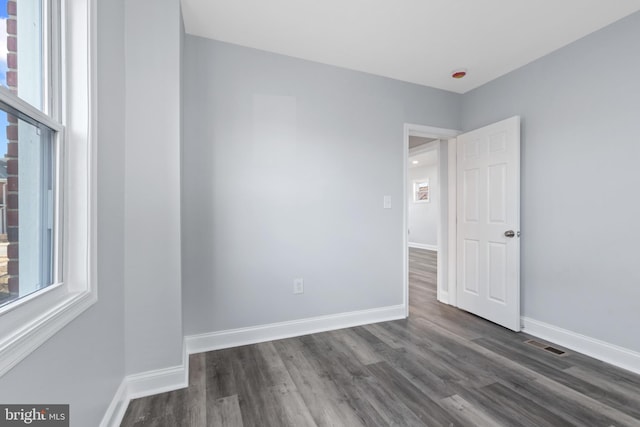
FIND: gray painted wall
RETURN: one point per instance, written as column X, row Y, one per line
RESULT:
column 83, row 364
column 580, row 111
column 153, row 308
column 285, row 165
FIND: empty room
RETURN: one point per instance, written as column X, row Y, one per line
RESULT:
column 336, row 213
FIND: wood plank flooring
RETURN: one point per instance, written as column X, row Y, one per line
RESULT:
column 440, row 367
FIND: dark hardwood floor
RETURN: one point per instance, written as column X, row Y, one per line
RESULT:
column 440, row 367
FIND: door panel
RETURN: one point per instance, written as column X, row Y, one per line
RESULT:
column 497, row 276
column 470, row 192
column 497, row 193
column 488, row 206
column 471, row 272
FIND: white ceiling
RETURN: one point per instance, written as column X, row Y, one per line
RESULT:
column 418, row 41
column 427, row 158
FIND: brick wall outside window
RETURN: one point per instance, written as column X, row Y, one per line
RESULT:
column 12, row 151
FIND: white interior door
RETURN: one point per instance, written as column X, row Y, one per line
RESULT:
column 488, row 244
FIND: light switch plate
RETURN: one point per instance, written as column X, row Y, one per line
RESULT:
column 387, row 202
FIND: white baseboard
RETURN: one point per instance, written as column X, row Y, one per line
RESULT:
column 117, row 408
column 423, row 246
column 275, row 331
column 601, row 350
column 145, row 384
column 158, row 381
column 177, row 377
column 168, row 379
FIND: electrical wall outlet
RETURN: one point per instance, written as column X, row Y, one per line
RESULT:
column 298, row 285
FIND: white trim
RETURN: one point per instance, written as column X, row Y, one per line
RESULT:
column 443, row 297
column 601, row 350
column 118, row 406
column 275, row 331
column 443, row 259
column 141, row 385
column 423, row 246
column 21, row 344
column 26, row 111
column 405, row 219
column 430, row 132
column 440, row 273
column 157, row 381
column 146, row 384
column 452, row 211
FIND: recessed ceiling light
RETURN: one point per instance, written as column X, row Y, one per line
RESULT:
column 458, row 74
column 415, row 162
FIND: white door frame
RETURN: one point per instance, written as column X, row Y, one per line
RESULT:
column 447, row 259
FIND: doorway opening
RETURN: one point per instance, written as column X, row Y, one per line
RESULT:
column 427, row 210
column 424, row 222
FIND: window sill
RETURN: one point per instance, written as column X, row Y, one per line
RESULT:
column 16, row 346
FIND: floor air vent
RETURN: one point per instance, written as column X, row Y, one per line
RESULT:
column 546, row 347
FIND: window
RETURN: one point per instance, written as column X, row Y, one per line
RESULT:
column 47, row 188
column 421, row 191
column 29, row 146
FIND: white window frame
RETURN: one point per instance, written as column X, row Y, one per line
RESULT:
column 28, row 322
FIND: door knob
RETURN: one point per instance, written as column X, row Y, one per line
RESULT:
column 509, row 233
